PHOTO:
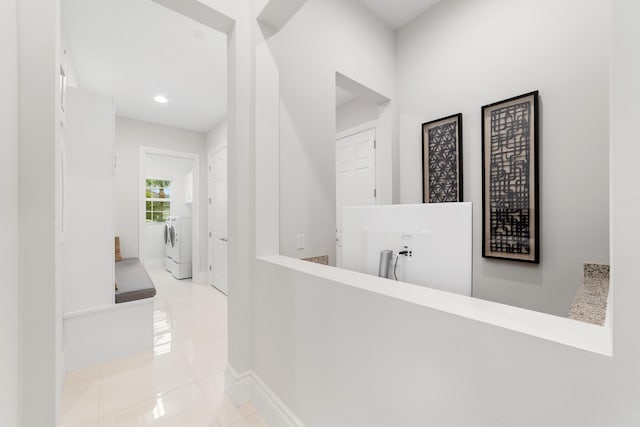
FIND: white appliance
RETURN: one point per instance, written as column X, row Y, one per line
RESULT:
column 178, row 259
column 167, row 245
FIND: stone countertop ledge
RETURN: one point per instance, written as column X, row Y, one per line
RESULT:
column 590, row 303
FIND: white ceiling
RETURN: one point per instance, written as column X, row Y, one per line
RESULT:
column 136, row 49
column 397, row 13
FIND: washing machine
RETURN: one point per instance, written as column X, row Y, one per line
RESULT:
column 179, row 252
column 168, row 250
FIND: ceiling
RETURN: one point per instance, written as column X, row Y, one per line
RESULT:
column 134, row 50
column 397, row 13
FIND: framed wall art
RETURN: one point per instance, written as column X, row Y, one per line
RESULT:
column 442, row 160
column 510, row 190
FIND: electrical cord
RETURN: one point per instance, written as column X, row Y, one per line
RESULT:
column 405, row 253
column 396, row 266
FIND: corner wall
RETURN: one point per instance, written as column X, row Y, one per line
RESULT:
column 9, row 356
column 323, row 37
column 40, row 290
column 338, row 356
column 463, row 54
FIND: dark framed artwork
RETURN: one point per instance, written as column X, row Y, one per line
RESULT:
column 442, row 160
column 510, row 190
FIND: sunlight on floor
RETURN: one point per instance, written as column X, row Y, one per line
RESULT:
column 178, row 383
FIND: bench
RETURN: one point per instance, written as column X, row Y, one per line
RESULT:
column 133, row 281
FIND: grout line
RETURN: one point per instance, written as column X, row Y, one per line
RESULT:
column 99, row 394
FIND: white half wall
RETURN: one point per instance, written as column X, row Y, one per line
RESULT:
column 10, row 354
column 130, row 136
column 358, row 45
column 463, row 54
column 338, row 355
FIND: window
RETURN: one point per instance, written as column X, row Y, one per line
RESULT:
column 158, row 200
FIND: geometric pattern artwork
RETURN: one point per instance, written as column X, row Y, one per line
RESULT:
column 442, row 160
column 510, row 179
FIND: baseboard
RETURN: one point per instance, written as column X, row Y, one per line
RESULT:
column 249, row 387
column 238, row 386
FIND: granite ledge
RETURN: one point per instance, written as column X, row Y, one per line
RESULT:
column 590, row 303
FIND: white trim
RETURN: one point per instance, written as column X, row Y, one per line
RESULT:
column 357, row 129
column 237, row 386
column 114, row 306
column 249, row 387
column 216, row 149
column 572, row 333
column 195, row 223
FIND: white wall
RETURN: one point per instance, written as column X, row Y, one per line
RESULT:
column 40, row 290
column 88, row 251
column 307, row 129
column 379, row 362
column 355, row 113
column 130, row 136
column 456, row 58
column 216, row 137
column 9, row 356
column 174, row 169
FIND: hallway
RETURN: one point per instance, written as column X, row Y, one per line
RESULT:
column 178, row 383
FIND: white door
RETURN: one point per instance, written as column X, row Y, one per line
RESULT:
column 218, row 220
column 355, row 177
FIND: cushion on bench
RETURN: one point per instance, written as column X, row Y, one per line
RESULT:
column 133, row 281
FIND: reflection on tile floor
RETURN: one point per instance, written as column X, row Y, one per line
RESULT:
column 179, row 383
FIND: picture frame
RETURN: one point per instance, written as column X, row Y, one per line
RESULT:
column 510, row 179
column 442, row 160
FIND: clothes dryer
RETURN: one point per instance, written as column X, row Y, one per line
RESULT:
column 180, row 251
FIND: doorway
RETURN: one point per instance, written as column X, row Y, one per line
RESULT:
column 218, row 231
column 168, row 182
column 355, row 174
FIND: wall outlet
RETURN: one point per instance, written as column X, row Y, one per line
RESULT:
column 407, row 243
column 300, row 242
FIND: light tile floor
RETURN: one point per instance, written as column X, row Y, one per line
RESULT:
column 179, row 383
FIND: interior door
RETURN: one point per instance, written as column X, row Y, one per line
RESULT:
column 355, row 177
column 218, row 236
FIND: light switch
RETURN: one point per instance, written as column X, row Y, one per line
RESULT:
column 300, row 242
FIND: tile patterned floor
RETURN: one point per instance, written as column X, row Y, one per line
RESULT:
column 180, row 383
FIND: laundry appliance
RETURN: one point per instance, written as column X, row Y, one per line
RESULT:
column 167, row 244
column 178, row 255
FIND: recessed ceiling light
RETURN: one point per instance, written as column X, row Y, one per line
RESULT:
column 160, row 99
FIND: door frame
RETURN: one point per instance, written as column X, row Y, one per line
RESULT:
column 195, row 205
column 372, row 125
column 358, row 129
column 215, row 150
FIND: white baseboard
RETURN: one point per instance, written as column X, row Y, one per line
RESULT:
column 249, row 387
column 238, row 386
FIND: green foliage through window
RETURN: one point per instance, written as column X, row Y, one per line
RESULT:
column 158, row 204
